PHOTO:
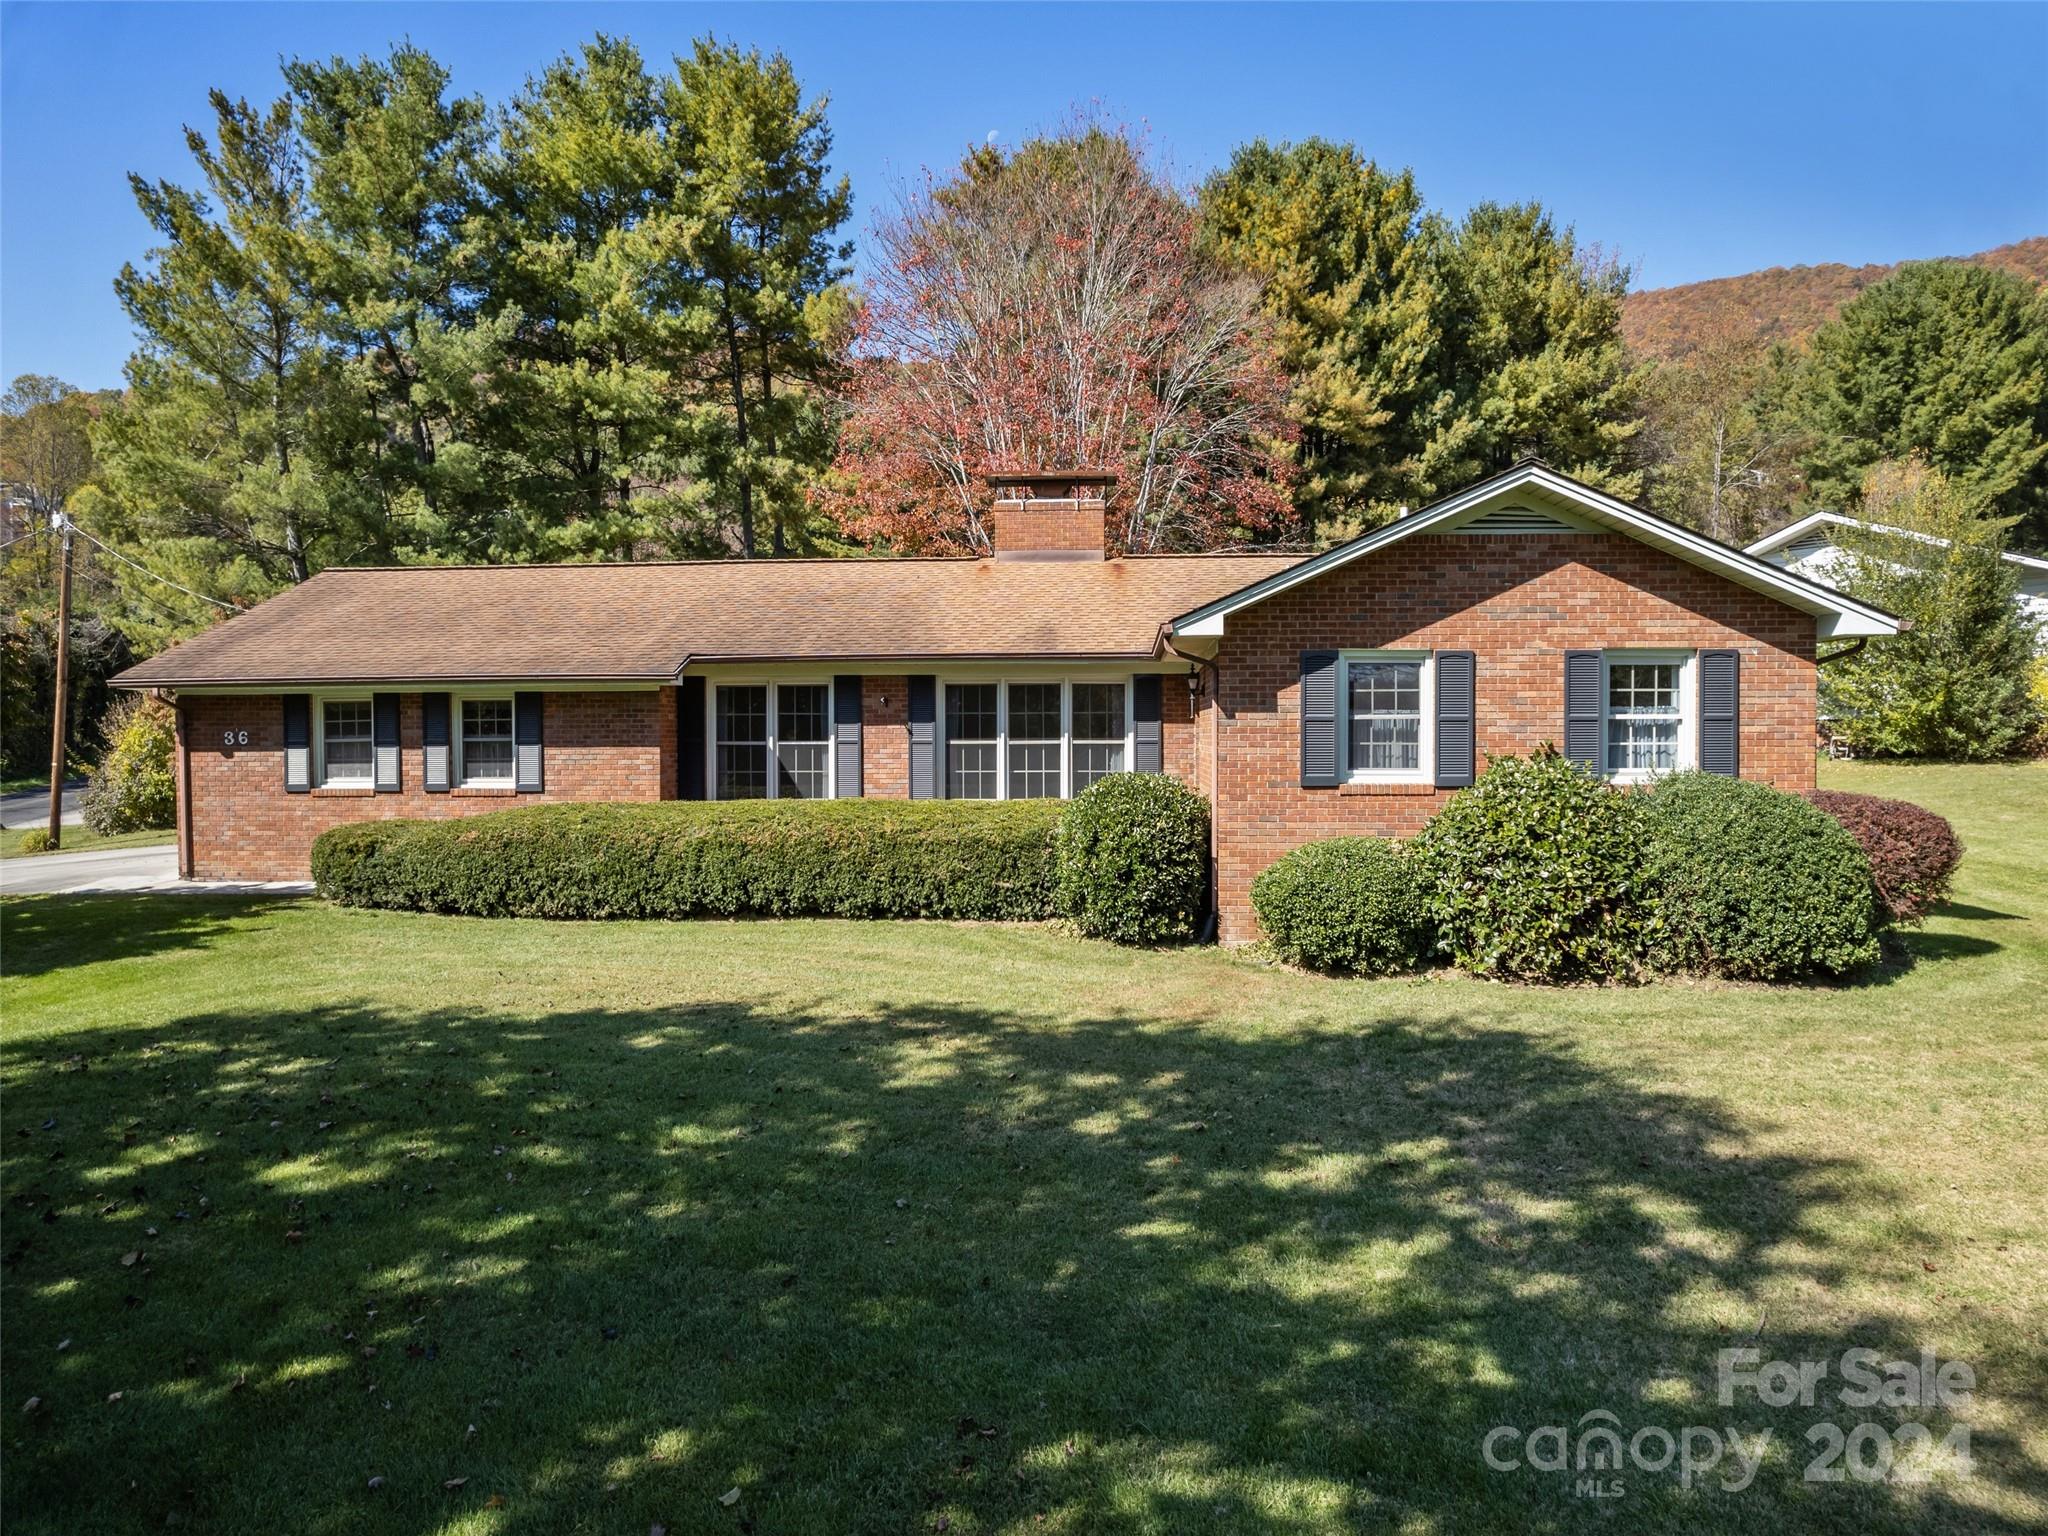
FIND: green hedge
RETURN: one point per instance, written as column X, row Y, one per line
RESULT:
column 1751, row 882
column 1344, row 904
column 1131, row 861
column 841, row 858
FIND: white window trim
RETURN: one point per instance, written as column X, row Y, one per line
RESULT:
column 458, row 770
column 941, row 765
column 1425, row 771
column 773, row 724
column 1685, row 754
column 319, row 712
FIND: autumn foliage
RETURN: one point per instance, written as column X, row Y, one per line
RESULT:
column 1048, row 309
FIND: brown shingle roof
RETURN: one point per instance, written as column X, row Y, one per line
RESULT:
column 645, row 621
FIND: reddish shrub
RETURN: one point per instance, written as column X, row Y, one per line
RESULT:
column 1912, row 851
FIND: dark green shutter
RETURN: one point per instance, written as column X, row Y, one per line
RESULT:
column 1582, row 707
column 846, row 737
column 690, row 745
column 384, row 741
column 1721, row 712
column 434, row 753
column 1456, row 696
column 1319, row 719
column 1148, row 753
column 527, row 775
column 924, row 714
column 298, row 743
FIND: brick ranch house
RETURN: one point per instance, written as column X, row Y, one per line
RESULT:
column 1305, row 697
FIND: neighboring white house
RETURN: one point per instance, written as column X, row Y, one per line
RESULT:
column 1809, row 548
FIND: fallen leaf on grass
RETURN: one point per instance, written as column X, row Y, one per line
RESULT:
column 495, row 1501
column 32, row 1405
column 130, row 1258
column 454, row 1483
column 730, row 1497
column 376, row 1482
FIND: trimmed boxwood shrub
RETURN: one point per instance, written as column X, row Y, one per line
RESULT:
column 842, row 858
column 1536, row 873
column 1131, row 859
column 1912, row 852
column 1344, row 904
column 1753, row 882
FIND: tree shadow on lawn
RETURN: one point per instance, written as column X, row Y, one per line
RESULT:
column 44, row 933
column 915, row 1269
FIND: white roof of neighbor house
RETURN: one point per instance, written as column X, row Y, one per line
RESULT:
column 1503, row 503
column 1818, row 523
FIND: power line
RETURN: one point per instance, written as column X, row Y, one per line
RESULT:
column 152, row 575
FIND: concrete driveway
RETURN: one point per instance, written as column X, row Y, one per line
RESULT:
column 122, row 869
column 31, row 807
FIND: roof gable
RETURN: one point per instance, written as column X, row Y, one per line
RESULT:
column 1540, row 495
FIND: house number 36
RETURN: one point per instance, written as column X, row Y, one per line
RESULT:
column 234, row 738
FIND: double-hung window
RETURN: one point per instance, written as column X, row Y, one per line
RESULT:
column 1101, row 725
column 345, row 742
column 786, row 725
column 973, row 738
column 1037, row 746
column 1034, row 740
column 484, row 743
column 1386, row 709
column 1648, row 702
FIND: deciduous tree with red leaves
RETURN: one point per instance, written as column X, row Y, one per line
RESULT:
column 1048, row 309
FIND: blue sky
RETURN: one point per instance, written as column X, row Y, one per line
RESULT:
column 1696, row 141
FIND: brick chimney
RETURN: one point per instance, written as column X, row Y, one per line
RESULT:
column 1051, row 515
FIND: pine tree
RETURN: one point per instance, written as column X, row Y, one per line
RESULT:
column 1944, row 360
column 238, row 426
column 763, row 218
column 1529, row 354
column 1335, row 243
column 1956, row 684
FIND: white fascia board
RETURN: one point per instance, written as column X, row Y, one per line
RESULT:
column 1791, row 533
column 1838, row 615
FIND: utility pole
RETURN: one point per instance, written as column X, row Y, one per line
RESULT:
column 63, row 684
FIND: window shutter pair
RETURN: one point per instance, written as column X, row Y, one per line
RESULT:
column 298, row 743
column 1720, row 710
column 923, row 701
column 1322, row 687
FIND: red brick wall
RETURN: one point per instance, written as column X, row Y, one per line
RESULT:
column 243, row 826
column 1048, row 524
column 1519, row 602
column 885, row 738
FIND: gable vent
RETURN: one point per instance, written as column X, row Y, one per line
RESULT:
column 1516, row 520
column 1812, row 544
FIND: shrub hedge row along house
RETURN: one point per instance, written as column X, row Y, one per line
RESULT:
column 1305, row 697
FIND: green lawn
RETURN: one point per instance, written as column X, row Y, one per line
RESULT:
column 83, row 839
column 905, row 1228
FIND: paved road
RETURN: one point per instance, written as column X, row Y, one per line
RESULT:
column 122, row 869
column 31, row 807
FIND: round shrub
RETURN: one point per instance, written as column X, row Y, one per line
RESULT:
column 1753, row 882
column 1345, row 904
column 35, row 840
column 1131, row 859
column 1536, row 873
column 837, row 858
column 1913, row 852
column 134, row 787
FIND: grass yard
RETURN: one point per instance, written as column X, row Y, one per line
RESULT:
column 390, row 1223
column 84, row 839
